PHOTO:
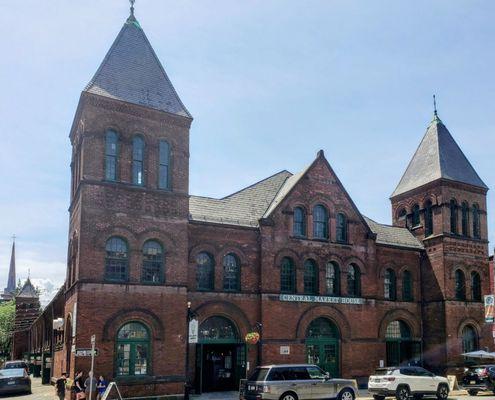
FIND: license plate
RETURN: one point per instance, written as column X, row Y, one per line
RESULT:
column 472, row 382
column 11, row 383
column 251, row 388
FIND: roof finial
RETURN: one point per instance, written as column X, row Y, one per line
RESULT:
column 132, row 6
column 435, row 106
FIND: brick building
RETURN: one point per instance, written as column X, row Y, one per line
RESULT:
column 290, row 256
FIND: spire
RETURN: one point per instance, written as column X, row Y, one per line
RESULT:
column 131, row 72
column 438, row 157
column 11, row 280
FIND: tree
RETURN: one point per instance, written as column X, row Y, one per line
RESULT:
column 7, row 316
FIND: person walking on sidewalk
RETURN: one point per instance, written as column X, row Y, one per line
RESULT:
column 101, row 386
column 60, row 386
column 88, row 386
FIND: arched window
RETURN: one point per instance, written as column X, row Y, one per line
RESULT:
column 116, row 260
column 415, row 215
column 398, row 330
column 287, row 276
column 469, row 339
column 320, row 222
column 205, row 276
column 402, row 349
column 453, row 216
column 401, row 215
column 465, row 219
column 390, row 285
column 133, row 348
column 152, row 262
column 475, row 286
column 231, row 273
column 111, row 155
column 164, row 169
column 341, row 228
column 460, row 285
column 218, row 329
column 407, row 286
column 332, row 279
column 353, row 280
column 428, row 218
column 310, row 277
column 137, row 160
column 476, row 222
column 322, row 328
column 299, row 225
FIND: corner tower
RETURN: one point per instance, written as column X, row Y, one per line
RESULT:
column 442, row 201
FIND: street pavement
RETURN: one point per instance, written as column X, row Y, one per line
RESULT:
column 47, row 392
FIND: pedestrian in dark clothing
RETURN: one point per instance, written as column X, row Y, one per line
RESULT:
column 79, row 386
column 60, row 386
column 88, row 386
column 101, row 386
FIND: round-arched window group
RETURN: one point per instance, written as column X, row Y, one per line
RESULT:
column 205, row 272
column 460, row 286
column 320, row 229
column 390, row 285
column 311, row 278
column 117, row 261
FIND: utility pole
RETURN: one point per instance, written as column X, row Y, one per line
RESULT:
column 92, row 372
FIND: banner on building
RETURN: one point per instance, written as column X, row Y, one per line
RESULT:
column 489, row 308
column 193, row 331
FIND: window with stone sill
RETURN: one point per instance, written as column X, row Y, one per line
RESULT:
column 310, row 277
column 133, row 350
column 415, row 216
column 205, row 276
column 138, row 161
column 164, row 167
column 320, row 222
column 299, row 222
column 231, row 273
column 465, row 219
column 353, row 281
column 476, row 287
column 287, row 276
column 460, row 285
column 341, row 234
column 476, row 222
column 332, row 279
column 153, row 271
column 390, row 285
column 453, row 216
column 116, row 260
column 407, row 286
column 428, row 218
column 111, row 155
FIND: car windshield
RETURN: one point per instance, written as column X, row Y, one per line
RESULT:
column 259, row 374
column 13, row 365
column 384, row 371
column 11, row 372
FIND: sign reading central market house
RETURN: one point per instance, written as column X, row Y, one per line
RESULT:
column 320, row 299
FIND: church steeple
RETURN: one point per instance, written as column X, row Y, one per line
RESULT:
column 10, row 289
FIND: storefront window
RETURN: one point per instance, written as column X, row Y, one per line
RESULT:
column 218, row 328
column 133, row 350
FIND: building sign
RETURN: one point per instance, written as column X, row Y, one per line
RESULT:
column 489, row 308
column 320, row 299
column 193, row 331
column 285, row 350
column 85, row 352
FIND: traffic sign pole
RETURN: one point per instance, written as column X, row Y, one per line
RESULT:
column 92, row 376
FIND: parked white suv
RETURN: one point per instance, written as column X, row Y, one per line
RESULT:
column 403, row 382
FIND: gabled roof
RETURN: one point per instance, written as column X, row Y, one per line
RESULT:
column 243, row 208
column 132, row 72
column 438, row 156
column 393, row 235
column 28, row 290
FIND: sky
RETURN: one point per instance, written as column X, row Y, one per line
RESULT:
column 268, row 83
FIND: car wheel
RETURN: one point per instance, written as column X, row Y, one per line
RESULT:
column 377, row 397
column 346, row 394
column 472, row 392
column 289, row 396
column 443, row 392
column 402, row 393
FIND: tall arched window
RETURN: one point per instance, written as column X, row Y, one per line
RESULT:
column 310, row 277
column 205, row 276
column 465, row 219
column 218, row 329
column 111, row 155
column 428, row 218
column 152, row 262
column 415, row 215
column 299, row 225
column 231, row 273
column 353, row 280
column 476, row 222
column 407, row 286
column 164, row 169
column 133, row 350
column 390, row 285
column 475, row 286
column 453, row 216
column 460, row 285
column 320, row 222
column 402, row 214
column 137, row 160
column 116, row 260
column 469, row 339
column 332, row 279
column 341, row 228
column 287, row 276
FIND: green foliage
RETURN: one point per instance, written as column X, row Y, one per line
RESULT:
column 7, row 316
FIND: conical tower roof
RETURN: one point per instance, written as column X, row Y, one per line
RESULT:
column 132, row 72
column 28, row 290
column 438, row 157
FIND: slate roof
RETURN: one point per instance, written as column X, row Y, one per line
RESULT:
column 132, row 72
column 438, row 156
column 28, row 290
column 393, row 235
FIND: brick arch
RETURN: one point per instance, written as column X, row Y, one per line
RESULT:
column 286, row 252
column 118, row 230
column 357, row 261
column 298, row 203
column 463, row 267
column 403, row 315
column 167, row 241
column 323, row 200
column 325, row 311
column 234, row 249
column 469, row 322
column 427, row 197
column 311, row 256
column 402, row 206
column 207, row 247
column 380, row 272
column 147, row 317
column 224, row 309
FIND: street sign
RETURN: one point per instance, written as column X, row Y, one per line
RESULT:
column 93, row 339
column 85, row 352
column 193, row 331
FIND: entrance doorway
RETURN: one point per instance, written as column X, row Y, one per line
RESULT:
column 401, row 348
column 323, row 345
column 220, row 356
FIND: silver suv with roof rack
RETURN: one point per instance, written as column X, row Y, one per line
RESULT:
column 296, row 382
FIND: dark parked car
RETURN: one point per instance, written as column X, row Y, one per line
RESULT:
column 16, row 364
column 14, row 380
column 479, row 378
